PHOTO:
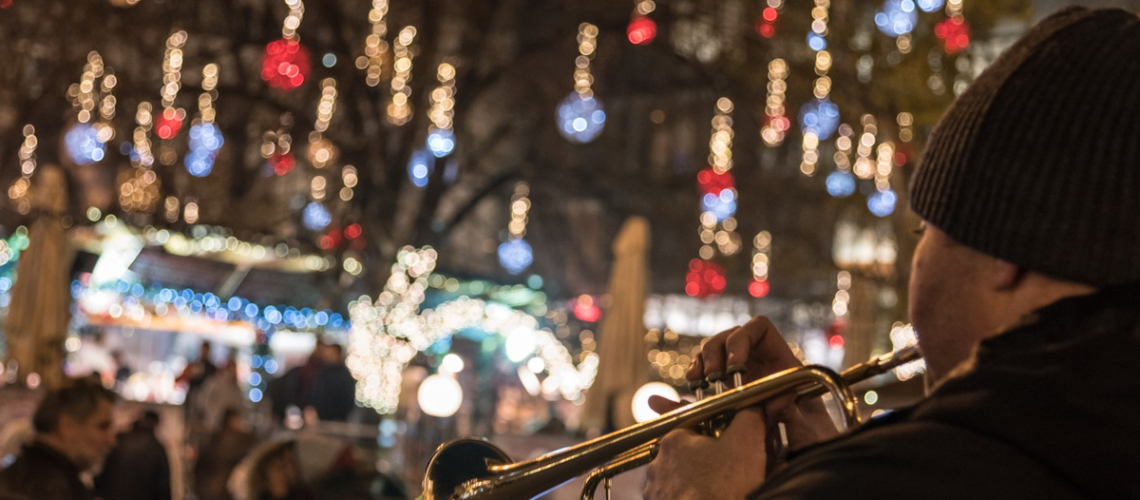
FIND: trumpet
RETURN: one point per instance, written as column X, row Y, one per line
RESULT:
column 475, row 469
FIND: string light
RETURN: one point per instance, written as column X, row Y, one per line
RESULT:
column 896, row 17
column 20, row 190
column 761, row 260
column 766, row 23
column 864, row 168
column 85, row 142
column 205, row 137
column 386, row 334
column 776, row 124
column 349, row 178
column 642, row 30
column 277, row 147
column 139, row 186
column 190, row 211
column 581, row 117
column 515, row 255
column 400, row 109
column 286, row 63
column 441, row 138
column 718, row 187
column 818, row 118
column 375, row 47
column 906, row 126
column 322, row 152
column 839, row 304
column 841, row 183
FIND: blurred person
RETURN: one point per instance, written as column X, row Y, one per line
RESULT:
column 74, row 433
column 122, row 370
column 195, row 374
column 334, row 390
column 220, row 455
column 219, row 394
column 1024, row 292
column 138, row 467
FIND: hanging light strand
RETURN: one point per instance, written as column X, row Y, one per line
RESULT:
column 520, row 206
column 20, row 190
column 864, row 167
column 375, row 46
column 139, row 186
column 587, row 44
column 400, row 109
column 776, row 123
column 761, row 262
column 821, row 89
column 293, row 20
column 322, row 152
column 441, row 137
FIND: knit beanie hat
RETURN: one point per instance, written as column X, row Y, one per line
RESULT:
column 1038, row 162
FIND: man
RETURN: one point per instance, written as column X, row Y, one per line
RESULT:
column 138, row 468
column 221, row 454
column 1025, row 292
column 73, row 434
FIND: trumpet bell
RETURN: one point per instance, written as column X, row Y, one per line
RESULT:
column 457, row 466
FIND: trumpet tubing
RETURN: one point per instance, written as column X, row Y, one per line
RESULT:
column 476, row 469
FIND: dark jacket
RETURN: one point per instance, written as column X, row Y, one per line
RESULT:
column 137, row 469
column 221, row 454
column 41, row 473
column 1050, row 410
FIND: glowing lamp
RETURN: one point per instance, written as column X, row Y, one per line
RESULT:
column 316, row 217
column 713, row 183
column 882, row 203
column 820, row 116
column 955, row 34
column 282, row 163
column 285, row 65
column 641, row 30
column 441, row 142
column 440, row 396
column 516, row 255
column 641, row 410
column 586, row 309
column 758, row 289
column 83, row 144
column 896, row 17
column 840, row 184
column 520, row 344
column 580, row 118
column 169, row 123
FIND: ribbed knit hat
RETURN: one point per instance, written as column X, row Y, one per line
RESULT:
column 1038, row 162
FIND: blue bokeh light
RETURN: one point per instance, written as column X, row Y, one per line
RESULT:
column 83, row 145
column 820, row 116
column 896, row 17
column 816, row 41
column 840, row 184
column 205, row 141
column 420, row 167
column 316, row 217
column 930, row 5
column 722, row 206
column 441, row 142
column 516, row 255
column 581, row 119
column 882, row 203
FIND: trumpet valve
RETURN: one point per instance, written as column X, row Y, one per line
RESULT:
column 737, row 372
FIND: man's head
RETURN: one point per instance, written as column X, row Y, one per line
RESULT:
column 204, row 351
column 76, row 420
column 329, row 353
column 1029, row 184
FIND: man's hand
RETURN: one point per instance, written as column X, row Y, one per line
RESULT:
column 690, row 466
column 761, row 348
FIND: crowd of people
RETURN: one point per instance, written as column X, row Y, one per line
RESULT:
column 75, row 452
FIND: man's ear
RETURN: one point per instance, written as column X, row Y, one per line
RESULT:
column 66, row 425
column 1004, row 275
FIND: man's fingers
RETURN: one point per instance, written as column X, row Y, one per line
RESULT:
column 663, row 405
column 759, row 342
column 696, row 370
column 712, row 354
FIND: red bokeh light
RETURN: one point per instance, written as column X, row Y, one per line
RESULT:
column 836, row 342
column 4, row 4
column 713, row 183
column 758, row 289
column 641, row 31
column 285, row 64
column 770, row 14
column 705, row 278
column 955, row 34
column 586, row 309
column 282, row 163
column 169, row 123
column 353, row 231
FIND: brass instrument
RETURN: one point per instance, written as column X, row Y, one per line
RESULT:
column 475, row 469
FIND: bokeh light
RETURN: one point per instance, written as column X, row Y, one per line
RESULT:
column 516, row 255
column 83, row 144
column 840, row 184
column 581, row 119
column 820, row 116
column 896, row 17
column 285, row 65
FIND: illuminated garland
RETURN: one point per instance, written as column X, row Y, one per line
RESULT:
column 818, row 118
column 400, row 109
column 441, row 138
column 761, row 261
column 385, row 335
column 776, row 124
column 374, row 45
column 581, row 117
column 170, row 120
column 20, row 190
column 205, row 137
column 515, row 255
